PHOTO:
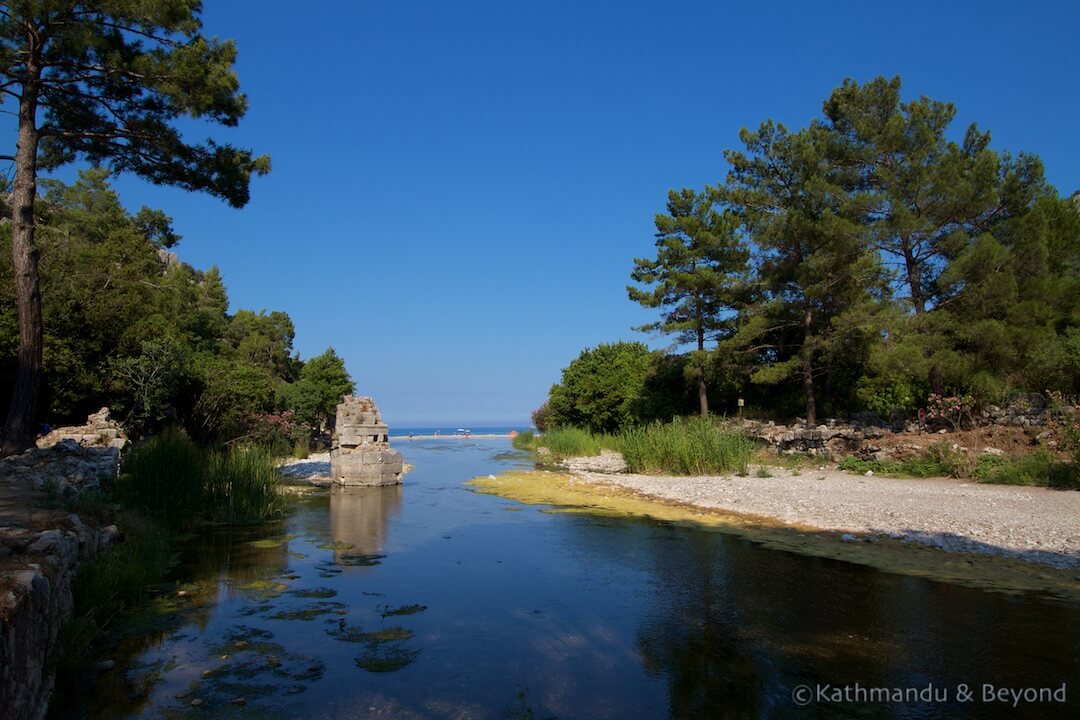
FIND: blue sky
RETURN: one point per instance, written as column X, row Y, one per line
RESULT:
column 459, row 188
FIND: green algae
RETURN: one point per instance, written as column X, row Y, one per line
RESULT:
column 337, row 545
column 318, row 593
column 402, row 610
column 273, row 542
column 310, row 612
column 565, row 494
column 386, row 659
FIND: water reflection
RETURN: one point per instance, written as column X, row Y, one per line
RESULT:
column 359, row 518
column 432, row 601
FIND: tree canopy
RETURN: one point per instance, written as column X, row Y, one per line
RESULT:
column 105, row 82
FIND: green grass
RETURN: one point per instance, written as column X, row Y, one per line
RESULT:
column 567, row 442
column 241, row 486
column 164, row 477
column 524, row 441
column 178, row 483
column 1039, row 468
column 685, row 446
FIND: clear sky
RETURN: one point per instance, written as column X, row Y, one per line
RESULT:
column 459, row 188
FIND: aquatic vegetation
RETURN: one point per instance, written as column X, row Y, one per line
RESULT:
column 271, row 542
column 524, row 441
column 242, row 486
column 386, row 659
column 319, row 592
column 402, row 610
column 310, row 612
column 350, row 560
column 337, row 545
column 262, row 588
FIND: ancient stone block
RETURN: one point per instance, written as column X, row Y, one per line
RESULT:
column 361, row 453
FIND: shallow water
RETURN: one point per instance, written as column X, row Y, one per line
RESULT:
column 429, row 600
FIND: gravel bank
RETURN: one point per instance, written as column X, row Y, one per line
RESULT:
column 1034, row 524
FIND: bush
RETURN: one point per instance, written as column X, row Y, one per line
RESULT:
column 685, row 446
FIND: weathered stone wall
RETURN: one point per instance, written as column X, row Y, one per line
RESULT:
column 361, row 453
column 41, row 548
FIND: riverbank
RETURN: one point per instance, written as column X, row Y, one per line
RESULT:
column 1028, row 523
column 1007, row 539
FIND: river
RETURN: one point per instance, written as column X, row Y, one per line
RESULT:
column 431, row 601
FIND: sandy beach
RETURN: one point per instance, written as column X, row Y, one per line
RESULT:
column 1033, row 524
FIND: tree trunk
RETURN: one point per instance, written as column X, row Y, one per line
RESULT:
column 702, row 391
column 19, row 429
column 808, row 368
column 914, row 283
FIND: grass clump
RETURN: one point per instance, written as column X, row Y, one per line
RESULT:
column 525, row 441
column 242, row 486
column 164, row 478
column 567, row 442
column 177, row 483
column 685, row 446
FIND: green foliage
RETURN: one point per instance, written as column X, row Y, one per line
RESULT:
column 315, row 396
column 112, row 79
column 140, row 331
column 177, row 483
column 525, row 441
column 884, row 395
column 685, row 446
column 696, row 277
column 164, row 478
column 564, row 442
column 241, row 486
column 543, row 417
column 602, row 388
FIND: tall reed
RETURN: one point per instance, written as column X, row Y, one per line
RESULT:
column 685, row 446
column 164, row 477
column 574, row 442
column 242, row 486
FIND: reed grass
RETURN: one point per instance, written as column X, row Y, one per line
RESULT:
column 685, row 446
column 524, row 441
column 242, row 486
column 164, row 477
column 567, row 442
column 178, row 483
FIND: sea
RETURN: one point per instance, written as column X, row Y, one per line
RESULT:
column 457, row 429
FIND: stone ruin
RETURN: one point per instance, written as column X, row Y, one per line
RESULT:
column 360, row 453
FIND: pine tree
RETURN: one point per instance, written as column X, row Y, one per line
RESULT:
column 104, row 82
column 697, row 277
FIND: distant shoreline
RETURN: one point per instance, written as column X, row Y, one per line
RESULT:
column 462, row 436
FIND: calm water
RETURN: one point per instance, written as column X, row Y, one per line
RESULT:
column 430, row 601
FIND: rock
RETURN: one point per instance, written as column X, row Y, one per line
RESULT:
column 848, row 537
column 100, row 430
column 996, row 452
